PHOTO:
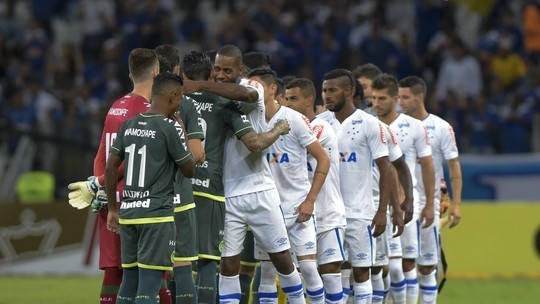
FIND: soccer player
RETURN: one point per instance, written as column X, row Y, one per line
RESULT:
column 186, row 250
column 365, row 74
column 361, row 143
column 330, row 211
column 143, row 67
column 152, row 145
column 412, row 92
column 413, row 140
column 288, row 159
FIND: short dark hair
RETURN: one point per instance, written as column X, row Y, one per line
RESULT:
column 386, row 81
column 141, row 61
column 341, row 73
column 288, row 78
column 255, row 60
column 416, row 84
column 168, row 58
column 269, row 76
column 359, row 91
column 212, row 55
column 165, row 82
column 230, row 51
column 306, row 86
column 368, row 70
column 280, row 87
column 196, row 66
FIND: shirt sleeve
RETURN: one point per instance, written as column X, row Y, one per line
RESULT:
column 238, row 121
column 302, row 130
column 247, row 107
column 376, row 140
column 394, row 151
column 448, row 142
column 320, row 132
column 191, row 118
column 175, row 139
column 118, row 147
column 421, row 140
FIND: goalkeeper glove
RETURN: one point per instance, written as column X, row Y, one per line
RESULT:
column 100, row 200
column 82, row 193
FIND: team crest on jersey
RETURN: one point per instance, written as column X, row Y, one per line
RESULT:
column 357, row 122
column 347, row 157
column 403, row 125
column 277, row 158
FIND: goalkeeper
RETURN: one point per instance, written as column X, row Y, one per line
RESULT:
column 143, row 67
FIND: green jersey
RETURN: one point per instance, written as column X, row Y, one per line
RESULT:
column 183, row 199
column 151, row 145
column 218, row 116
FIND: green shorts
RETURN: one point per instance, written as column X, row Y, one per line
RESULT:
column 186, row 235
column 149, row 246
column 210, row 225
column 247, row 257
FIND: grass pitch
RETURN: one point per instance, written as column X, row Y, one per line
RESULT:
column 85, row 290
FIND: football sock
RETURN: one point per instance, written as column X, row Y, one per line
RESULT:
column 185, row 289
column 207, row 281
column 267, row 289
column 428, row 288
column 386, row 281
column 164, row 293
column 346, row 283
column 378, row 288
column 398, row 285
column 412, row 286
column 332, row 288
column 128, row 288
column 245, row 284
column 150, row 282
column 292, row 287
column 255, row 286
column 362, row 292
column 314, row 284
column 229, row 289
column 112, row 278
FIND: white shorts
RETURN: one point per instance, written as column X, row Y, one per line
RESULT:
column 382, row 248
column 406, row 245
column 262, row 212
column 302, row 236
column 429, row 244
column 359, row 243
column 330, row 246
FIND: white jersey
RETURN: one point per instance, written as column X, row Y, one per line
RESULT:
column 411, row 135
column 443, row 146
column 361, row 139
column 244, row 171
column 394, row 152
column 288, row 157
column 330, row 211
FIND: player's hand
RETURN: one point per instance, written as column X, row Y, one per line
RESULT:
column 191, row 86
column 378, row 225
column 100, row 200
column 320, row 109
column 113, row 224
column 397, row 222
column 427, row 215
column 445, row 198
column 408, row 210
column 304, row 211
column 455, row 215
column 282, row 126
column 82, row 193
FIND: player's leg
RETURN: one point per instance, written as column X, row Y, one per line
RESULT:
column 268, row 226
column 210, row 222
column 428, row 259
column 247, row 266
column 109, row 260
column 130, row 279
column 330, row 255
column 410, row 249
column 362, row 250
column 255, row 283
column 267, row 289
column 303, row 238
column 155, row 256
column 381, row 259
column 186, row 252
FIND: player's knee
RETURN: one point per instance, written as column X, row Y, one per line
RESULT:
column 361, row 274
column 334, row 267
column 426, row 270
column 376, row 269
column 230, row 266
column 282, row 261
column 408, row 264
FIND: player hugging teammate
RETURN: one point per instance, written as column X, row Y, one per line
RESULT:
column 223, row 164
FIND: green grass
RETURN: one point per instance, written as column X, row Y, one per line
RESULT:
column 83, row 290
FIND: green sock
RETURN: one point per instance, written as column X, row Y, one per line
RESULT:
column 185, row 286
column 128, row 288
column 245, row 284
column 207, row 280
column 150, row 281
column 255, row 286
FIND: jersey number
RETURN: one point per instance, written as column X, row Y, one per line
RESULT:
column 142, row 165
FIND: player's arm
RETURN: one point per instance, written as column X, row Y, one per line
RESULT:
column 428, row 177
column 454, row 168
column 257, row 142
column 228, row 90
column 111, row 180
column 305, row 210
column 178, row 149
column 405, row 180
column 391, row 195
column 379, row 220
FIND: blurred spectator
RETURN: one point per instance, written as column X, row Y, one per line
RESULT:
column 515, row 124
column 506, row 65
column 377, row 49
column 481, row 125
column 531, row 30
column 34, row 45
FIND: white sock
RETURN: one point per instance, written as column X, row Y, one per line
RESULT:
column 292, row 287
column 412, row 286
column 314, row 284
column 346, row 283
column 229, row 289
column 378, row 288
column 267, row 289
column 332, row 288
column 362, row 292
column 398, row 286
column 428, row 288
column 386, row 281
